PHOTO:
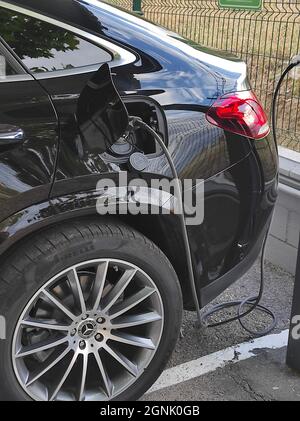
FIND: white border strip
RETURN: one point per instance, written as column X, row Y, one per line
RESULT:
column 211, row 362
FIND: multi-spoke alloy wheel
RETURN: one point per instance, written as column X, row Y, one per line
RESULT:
column 88, row 333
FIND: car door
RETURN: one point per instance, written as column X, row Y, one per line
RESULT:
column 28, row 137
column 63, row 60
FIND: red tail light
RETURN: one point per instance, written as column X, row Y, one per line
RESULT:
column 240, row 113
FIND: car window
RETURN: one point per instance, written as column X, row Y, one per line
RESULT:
column 43, row 47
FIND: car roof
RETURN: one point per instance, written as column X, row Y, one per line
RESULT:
column 74, row 12
column 70, row 11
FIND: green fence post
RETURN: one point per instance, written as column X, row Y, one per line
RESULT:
column 137, row 6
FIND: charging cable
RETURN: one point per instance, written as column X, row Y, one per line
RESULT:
column 138, row 122
column 294, row 63
column 253, row 302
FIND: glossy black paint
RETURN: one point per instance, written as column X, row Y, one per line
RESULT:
column 59, row 183
column 26, row 168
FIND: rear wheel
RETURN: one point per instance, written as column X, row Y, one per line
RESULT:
column 93, row 312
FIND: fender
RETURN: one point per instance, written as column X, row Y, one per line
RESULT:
column 163, row 230
column 93, row 202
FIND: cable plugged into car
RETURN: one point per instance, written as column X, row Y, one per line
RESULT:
column 139, row 123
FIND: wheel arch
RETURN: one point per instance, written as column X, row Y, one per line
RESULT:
column 162, row 230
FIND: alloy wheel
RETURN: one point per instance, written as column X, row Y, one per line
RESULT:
column 89, row 333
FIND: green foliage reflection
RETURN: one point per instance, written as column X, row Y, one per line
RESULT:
column 29, row 37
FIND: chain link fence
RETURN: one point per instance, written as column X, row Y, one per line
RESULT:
column 265, row 39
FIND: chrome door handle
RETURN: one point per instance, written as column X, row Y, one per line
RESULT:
column 10, row 135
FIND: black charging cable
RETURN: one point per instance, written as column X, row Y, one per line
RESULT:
column 295, row 62
column 138, row 122
column 254, row 302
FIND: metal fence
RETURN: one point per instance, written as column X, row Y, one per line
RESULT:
column 265, row 39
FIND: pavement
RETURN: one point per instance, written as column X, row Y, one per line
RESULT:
column 225, row 363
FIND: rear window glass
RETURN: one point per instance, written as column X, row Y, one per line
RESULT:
column 43, row 47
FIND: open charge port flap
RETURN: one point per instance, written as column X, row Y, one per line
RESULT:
column 153, row 115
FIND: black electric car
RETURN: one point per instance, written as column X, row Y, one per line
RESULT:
column 91, row 303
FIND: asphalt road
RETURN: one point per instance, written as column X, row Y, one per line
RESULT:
column 265, row 377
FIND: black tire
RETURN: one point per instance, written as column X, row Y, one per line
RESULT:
column 42, row 256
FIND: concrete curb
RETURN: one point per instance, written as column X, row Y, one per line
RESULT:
column 284, row 235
